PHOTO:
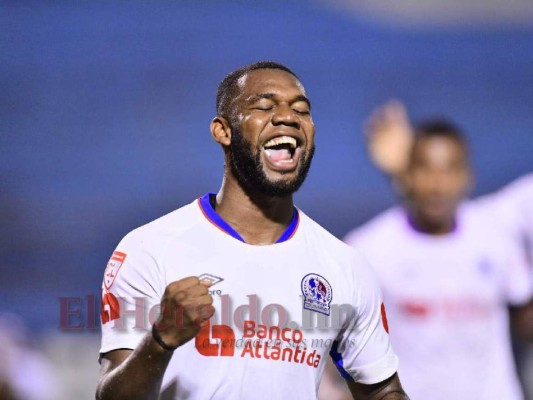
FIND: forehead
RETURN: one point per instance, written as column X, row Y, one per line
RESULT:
column 273, row 81
column 439, row 150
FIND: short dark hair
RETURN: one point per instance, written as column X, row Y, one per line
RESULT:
column 440, row 127
column 228, row 88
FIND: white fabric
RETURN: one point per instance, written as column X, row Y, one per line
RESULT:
column 512, row 207
column 446, row 299
column 184, row 243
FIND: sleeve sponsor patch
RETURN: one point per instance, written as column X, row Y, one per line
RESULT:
column 384, row 318
column 113, row 267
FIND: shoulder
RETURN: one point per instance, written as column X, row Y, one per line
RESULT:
column 511, row 205
column 155, row 235
column 479, row 217
column 137, row 260
column 486, row 232
column 151, row 241
column 385, row 224
column 516, row 195
column 338, row 252
column 326, row 240
column 519, row 189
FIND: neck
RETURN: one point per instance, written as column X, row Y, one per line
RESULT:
column 258, row 218
column 436, row 228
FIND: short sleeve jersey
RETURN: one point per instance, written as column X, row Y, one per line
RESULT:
column 280, row 309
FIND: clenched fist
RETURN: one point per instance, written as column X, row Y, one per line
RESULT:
column 185, row 306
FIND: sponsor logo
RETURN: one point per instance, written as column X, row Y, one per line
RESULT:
column 211, row 278
column 258, row 341
column 113, row 267
column 110, row 308
column 384, row 318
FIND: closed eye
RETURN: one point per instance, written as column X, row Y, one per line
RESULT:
column 262, row 104
column 301, row 107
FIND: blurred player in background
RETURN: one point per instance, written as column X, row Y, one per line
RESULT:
column 390, row 138
column 248, row 240
column 447, row 267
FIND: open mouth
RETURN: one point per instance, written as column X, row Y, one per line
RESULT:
column 282, row 151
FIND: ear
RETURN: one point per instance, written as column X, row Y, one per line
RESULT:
column 221, row 130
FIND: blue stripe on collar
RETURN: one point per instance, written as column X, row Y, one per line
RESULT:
column 213, row 217
column 216, row 219
column 291, row 229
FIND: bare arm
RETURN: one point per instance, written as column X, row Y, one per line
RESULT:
column 389, row 389
column 522, row 321
column 138, row 374
column 128, row 374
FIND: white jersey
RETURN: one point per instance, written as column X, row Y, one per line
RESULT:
column 512, row 207
column 447, row 302
column 280, row 309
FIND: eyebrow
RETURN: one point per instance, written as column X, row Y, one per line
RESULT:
column 270, row 96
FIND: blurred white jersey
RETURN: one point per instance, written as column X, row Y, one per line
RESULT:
column 512, row 207
column 447, row 302
column 280, row 309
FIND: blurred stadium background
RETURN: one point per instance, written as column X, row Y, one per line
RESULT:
column 105, row 109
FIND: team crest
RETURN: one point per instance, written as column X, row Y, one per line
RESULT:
column 113, row 266
column 317, row 293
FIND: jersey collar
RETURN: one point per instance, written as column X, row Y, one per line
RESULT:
column 212, row 216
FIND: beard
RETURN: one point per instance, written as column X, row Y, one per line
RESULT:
column 247, row 167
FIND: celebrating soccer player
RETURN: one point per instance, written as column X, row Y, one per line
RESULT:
column 298, row 294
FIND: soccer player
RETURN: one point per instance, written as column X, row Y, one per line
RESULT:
column 246, row 245
column 448, row 272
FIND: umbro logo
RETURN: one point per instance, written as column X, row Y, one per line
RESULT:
column 211, row 278
column 214, row 280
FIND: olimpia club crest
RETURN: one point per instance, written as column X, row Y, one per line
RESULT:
column 317, row 293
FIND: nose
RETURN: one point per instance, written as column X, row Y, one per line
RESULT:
column 285, row 115
column 442, row 181
column 443, row 185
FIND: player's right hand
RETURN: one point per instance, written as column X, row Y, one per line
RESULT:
column 185, row 306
